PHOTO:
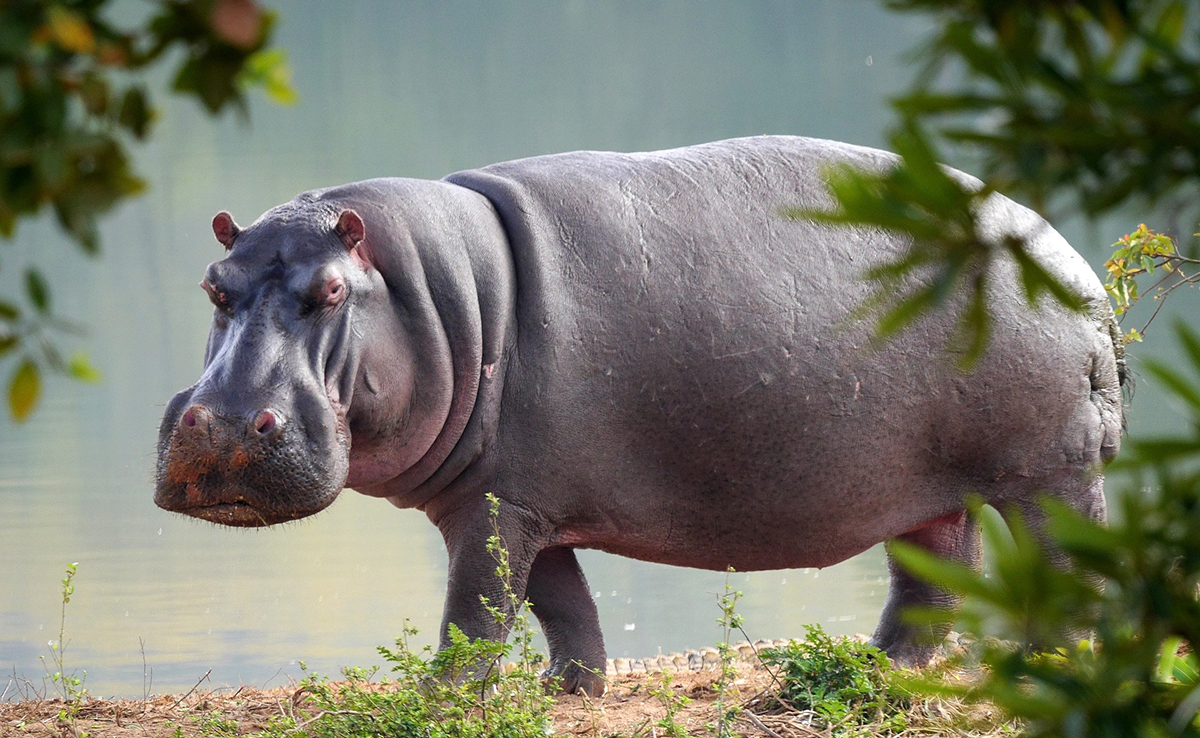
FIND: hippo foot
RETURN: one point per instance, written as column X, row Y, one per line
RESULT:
column 907, row 655
column 571, row 677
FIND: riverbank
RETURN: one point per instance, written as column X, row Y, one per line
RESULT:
column 641, row 704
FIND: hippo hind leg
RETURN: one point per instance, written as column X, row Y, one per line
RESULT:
column 954, row 537
column 1085, row 494
column 563, row 605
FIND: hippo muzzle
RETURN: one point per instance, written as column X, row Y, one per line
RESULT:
column 247, row 469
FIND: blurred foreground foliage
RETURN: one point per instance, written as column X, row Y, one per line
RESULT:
column 1076, row 107
column 1140, row 675
column 72, row 99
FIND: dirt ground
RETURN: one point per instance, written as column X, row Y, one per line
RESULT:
column 627, row 709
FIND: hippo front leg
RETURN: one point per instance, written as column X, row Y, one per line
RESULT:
column 564, row 607
column 473, row 574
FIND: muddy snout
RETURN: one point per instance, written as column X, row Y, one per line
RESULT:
column 238, row 468
column 203, row 444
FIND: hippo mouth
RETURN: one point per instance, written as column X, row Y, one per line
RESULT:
column 241, row 514
column 228, row 507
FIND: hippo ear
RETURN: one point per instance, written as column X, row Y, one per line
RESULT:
column 225, row 229
column 353, row 233
column 350, row 228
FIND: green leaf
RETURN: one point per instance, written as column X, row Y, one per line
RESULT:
column 24, row 391
column 1191, row 343
column 1170, row 24
column 81, row 368
column 93, row 91
column 1076, row 533
column 136, row 114
column 70, row 30
column 8, row 311
column 906, row 310
column 1036, row 280
column 1164, row 448
column 972, row 332
column 269, row 69
column 10, row 90
column 39, row 293
column 951, row 575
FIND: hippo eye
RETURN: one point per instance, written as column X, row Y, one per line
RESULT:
column 332, row 292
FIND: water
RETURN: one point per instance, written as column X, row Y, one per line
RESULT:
column 387, row 89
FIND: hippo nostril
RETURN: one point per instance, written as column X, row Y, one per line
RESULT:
column 195, row 416
column 264, row 422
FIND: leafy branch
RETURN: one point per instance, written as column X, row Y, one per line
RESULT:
column 1144, row 252
column 72, row 99
column 1082, row 106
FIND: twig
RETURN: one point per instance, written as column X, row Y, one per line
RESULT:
column 193, row 689
column 1161, row 297
column 759, row 724
column 757, row 655
column 146, row 687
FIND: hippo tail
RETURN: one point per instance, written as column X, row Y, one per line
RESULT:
column 1112, row 387
column 1124, row 378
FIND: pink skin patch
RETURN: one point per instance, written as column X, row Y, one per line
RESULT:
column 489, row 370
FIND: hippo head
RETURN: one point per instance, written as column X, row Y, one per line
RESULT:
column 264, row 436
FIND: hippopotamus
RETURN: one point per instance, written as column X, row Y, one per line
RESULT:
column 638, row 353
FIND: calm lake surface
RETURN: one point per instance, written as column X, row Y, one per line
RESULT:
column 417, row 89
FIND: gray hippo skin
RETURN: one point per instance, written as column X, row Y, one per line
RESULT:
column 635, row 353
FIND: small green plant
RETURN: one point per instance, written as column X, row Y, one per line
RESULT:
column 844, row 683
column 214, row 725
column 70, row 686
column 951, row 252
column 429, row 695
column 461, row 690
column 729, row 621
column 1136, row 673
column 672, row 701
column 513, row 611
column 74, row 100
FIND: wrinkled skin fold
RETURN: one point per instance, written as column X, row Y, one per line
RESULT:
column 635, row 353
